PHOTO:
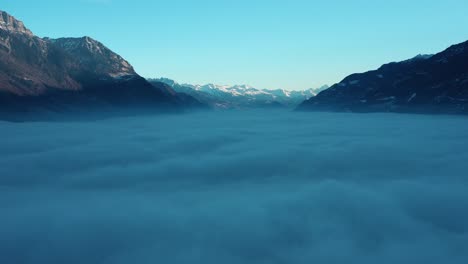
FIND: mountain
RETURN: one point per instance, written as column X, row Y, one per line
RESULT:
column 70, row 74
column 424, row 84
column 241, row 96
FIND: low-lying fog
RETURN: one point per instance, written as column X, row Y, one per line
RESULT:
column 236, row 187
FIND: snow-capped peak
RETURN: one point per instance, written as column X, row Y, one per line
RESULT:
column 249, row 93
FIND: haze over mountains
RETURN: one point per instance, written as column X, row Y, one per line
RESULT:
column 241, row 96
column 42, row 74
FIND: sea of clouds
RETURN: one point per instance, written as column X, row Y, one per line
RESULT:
column 236, row 187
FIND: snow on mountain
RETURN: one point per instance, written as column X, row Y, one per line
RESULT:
column 243, row 95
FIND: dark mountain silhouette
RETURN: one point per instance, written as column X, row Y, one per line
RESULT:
column 425, row 84
column 72, row 74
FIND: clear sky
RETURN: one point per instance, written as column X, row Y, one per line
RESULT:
column 295, row 44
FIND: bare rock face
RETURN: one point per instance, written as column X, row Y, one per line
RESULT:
column 9, row 23
column 30, row 65
column 56, row 74
column 93, row 54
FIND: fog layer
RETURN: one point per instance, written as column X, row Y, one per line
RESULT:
column 236, row 187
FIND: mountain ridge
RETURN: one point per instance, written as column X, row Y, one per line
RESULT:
column 10, row 23
column 424, row 84
column 242, row 96
column 57, row 75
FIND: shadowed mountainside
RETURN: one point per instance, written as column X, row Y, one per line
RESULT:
column 425, row 84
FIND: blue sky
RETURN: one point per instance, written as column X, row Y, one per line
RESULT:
column 293, row 44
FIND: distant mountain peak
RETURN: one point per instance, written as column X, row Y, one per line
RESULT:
column 13, row 25
column 243, row 95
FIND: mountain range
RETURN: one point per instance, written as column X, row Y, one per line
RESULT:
column 241, row 96
column 424, row 84
column 44, row 75
column 72, row 74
